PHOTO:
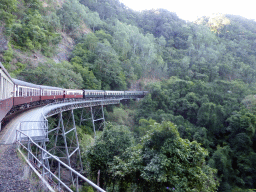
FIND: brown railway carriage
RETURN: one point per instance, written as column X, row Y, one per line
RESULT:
column 73, row 93
column 25, row 93
column 6, row 92
column 51, row 93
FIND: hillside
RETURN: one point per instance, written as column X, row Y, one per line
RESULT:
column 153, row 44
column 201, row 76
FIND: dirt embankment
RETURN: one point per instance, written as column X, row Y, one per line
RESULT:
column 15, row 175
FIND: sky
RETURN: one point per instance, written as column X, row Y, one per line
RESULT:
column 191, row 9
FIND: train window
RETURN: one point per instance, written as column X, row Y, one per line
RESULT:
column 1, row 91
column 3, row 96
column 24, row 92
column 16, row 91
column 20, row 92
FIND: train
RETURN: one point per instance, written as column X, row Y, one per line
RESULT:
column 17, row 95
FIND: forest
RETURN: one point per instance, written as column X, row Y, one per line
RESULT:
column 194, row 131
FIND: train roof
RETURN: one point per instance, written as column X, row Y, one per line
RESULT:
column 23, row 83
column 5, row 71
column 113, row 91
column 50, row 87
column 73, row 89
column 87, row 90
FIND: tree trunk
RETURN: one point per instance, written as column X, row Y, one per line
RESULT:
column 98, row 179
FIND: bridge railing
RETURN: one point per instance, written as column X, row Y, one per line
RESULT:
column 38, row 130
column 77, row 104
column 42, row 170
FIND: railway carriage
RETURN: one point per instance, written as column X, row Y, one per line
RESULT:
column 73, row 93
column 114, row 94
column 6, row 92
column 51, row 93
column 134, row 94
column 25, row 94
column 94, row 94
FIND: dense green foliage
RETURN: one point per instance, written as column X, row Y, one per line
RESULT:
column 161, row 160
column 211, row 114
column 202, row 78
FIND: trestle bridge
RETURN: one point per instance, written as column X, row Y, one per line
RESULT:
column 44, row 146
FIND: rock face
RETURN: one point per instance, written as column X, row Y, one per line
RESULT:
column 64, row 48
column 13, row 172
column 3, row 42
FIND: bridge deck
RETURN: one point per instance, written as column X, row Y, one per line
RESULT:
column 32, row 122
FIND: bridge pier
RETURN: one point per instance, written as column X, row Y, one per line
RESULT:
column 66, row 133
column 96, row 115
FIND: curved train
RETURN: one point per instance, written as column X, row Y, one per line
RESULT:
column 16, row 95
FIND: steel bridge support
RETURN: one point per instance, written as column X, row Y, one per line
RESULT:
column 64, row 142
column 42, row 156
column 96, row 117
